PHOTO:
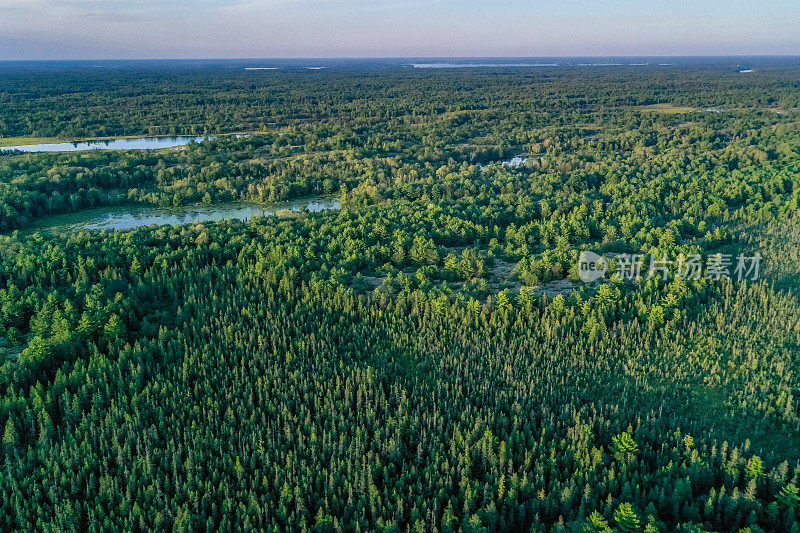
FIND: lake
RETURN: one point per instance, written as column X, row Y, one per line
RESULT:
column 135, row 216
column 143, row 143
column 481, row 65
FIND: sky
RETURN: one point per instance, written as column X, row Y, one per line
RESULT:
column 150, row 29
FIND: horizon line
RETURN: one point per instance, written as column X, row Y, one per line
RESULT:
column 351, row 58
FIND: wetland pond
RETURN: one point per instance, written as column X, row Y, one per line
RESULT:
column 136, row 216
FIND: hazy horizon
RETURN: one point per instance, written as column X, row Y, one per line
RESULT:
column 332, row 29
column 408, row 58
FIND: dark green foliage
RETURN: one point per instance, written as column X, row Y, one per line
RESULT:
column 404, row 363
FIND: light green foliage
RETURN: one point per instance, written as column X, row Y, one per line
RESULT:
column 596, row 524
column 788, row 497
column 623, row 447
column 625, row 519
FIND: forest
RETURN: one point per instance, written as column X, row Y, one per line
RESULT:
column 426, row 357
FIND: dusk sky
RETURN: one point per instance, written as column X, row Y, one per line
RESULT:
column 116, row 29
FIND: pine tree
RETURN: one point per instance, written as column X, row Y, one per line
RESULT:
column 503, row 300
column 755, row 467
column 10, row 435
column 788, row 497
column 626, row 519
column 596, row 524
column 623, row 447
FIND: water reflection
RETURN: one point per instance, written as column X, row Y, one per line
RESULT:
column 130, row 217
column 143, row 143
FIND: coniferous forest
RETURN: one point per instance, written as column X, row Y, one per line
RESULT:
column 425, row 357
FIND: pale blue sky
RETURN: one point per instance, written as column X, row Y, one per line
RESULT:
column 111, row 29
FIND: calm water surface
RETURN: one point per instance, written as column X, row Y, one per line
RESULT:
column 130, row 217
column 143, row 143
